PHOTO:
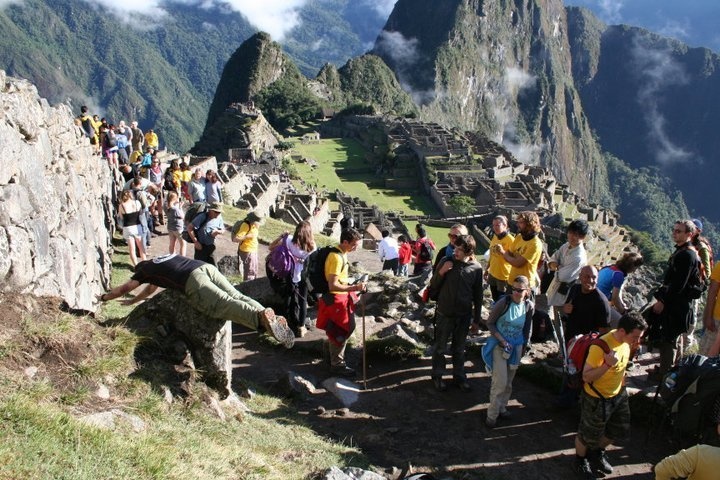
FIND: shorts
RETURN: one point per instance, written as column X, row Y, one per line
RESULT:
column 131, row 231
column 175, row 235
column 599, row 418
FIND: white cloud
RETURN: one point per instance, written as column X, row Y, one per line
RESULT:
column 404, row 54
column 5, row 3
column 516, row 79
column 276, row 17
column 676, row 29
column 611, row 10
column 658, row 70
column 382, row 7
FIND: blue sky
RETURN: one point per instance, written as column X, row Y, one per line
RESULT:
column 694, row 22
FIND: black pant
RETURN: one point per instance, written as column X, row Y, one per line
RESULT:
column 391, row 265
column 296, row 305
column 206, row 254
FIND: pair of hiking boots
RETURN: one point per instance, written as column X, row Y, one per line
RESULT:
column 596, row 460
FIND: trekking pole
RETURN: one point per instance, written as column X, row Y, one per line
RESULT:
column 364, row 355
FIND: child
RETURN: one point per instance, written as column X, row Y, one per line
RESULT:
column 175, row 223
column 404, row 256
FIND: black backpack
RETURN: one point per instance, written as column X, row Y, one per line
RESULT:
column 696, row 285
column 314, row 271
column 195, row 209
column 689, row 391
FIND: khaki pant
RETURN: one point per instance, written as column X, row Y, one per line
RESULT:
column 210, row 292
column 501, row 384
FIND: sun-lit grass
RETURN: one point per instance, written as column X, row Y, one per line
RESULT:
column 334, row 154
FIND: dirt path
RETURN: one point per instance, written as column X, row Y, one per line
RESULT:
column 401, row 420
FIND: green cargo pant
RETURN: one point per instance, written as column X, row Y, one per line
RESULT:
column 210, row 292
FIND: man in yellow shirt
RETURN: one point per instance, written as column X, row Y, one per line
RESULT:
column 525, row 252
column 151, row 139
column 699, row 462
column 336, row 308
column 711, row 316
column 247, row 237
column 604, row 406
column 498, row 270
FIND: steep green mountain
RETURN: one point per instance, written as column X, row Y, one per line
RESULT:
column 259, row 72
column 652, row 101
column 161, row 71
column 502, row 68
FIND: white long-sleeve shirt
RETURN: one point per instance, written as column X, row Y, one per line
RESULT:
column 388, row 248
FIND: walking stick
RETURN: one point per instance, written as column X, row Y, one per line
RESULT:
column 363, row 279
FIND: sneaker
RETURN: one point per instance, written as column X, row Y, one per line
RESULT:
column 277, row 326
column 505, row 415
column 343, row 371
column 439, row 383
column 600, row 461
column 490, row 422
column 582, row 466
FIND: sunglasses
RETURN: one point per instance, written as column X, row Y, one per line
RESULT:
column 452, row 235
column 517, row 290
column 675, row 230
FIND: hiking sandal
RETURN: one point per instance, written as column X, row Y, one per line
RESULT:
column 277, row 326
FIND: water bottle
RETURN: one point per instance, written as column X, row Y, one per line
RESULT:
column 507, row 351
column 571, row 369
column 670, row 381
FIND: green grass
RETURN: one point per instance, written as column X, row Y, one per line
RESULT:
column 333, row 154
column 41, row 436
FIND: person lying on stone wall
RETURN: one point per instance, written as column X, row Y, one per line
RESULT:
column 206, row 289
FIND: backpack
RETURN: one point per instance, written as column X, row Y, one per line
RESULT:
column 696, row 285
column 314, row 270
column 427, row 250
column 193, row 211
column 236, row 228
column 147, row 160
column 689, row 391
column 280, row 261
column 578, row 348
column 87, row 127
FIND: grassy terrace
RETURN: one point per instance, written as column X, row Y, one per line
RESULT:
column 334, row 154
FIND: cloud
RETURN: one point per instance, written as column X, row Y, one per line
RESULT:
column 403, row 52
column 383, row 7
column 516, row 79
column 5, row 3
column 658, row 70
column 676, row 29
column 276, row 17
column 611, row 10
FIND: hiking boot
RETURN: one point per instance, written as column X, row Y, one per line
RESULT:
column 490, row 422
column 582, row 466
column 600, row 461
column 463, row 385
column 277, row 326
column 439, row 383
column 343, row 370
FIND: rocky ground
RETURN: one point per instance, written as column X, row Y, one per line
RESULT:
column 400, row 422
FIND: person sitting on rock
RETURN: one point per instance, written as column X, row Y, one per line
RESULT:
column 206, row 289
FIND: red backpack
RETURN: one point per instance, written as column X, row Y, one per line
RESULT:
column 577, row 353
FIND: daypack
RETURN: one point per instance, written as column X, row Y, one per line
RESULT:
column 235, row 229
column 578, row 348
column 280, row 261
column 87, row 127
column 193, row 211
column 696, row 285
column 146, row 161
column 427, row 250
column 689, row 391
column 314, row 270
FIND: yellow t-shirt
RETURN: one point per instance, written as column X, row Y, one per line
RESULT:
column 531, row 250
column 337, row 264
column 498, row 267
column 715, row 275
column 249, row 244
column 186, row 175
column 611, row 382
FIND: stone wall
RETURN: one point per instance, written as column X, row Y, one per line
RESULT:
column 55, row 201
